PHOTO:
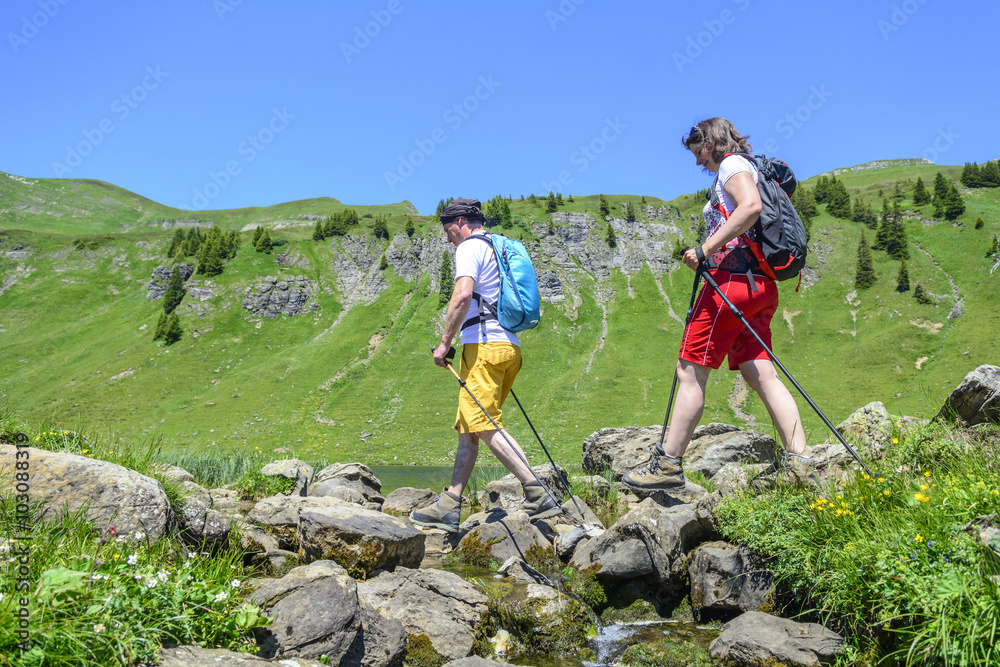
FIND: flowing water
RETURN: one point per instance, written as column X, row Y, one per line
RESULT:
column 611, row 640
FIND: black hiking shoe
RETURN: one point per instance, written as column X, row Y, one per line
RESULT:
column 537, row 503
column 442, row 513
column 662, row 473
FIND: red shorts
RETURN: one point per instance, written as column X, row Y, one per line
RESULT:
column 715, row 331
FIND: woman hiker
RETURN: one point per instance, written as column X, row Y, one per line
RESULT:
column 714, row 332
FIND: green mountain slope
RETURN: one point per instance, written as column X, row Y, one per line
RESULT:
column 350, row 376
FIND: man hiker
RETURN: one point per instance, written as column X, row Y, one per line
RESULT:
column 491, row 359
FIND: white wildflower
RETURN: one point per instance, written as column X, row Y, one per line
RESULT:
column 99, row 628
column 151, row 583
column 221, row 596
column 163, row 575
column 133, row 559
column 235, row 583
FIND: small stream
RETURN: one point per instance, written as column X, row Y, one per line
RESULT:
column 611, row 641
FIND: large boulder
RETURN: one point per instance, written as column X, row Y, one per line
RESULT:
column 110, row 494
column 295, row 469
column 279, row 515
column 868, row 428
column 726, row 579
column 650, row 541
column 435, row 603
column 381, row 642
column 405, row 499
column 200, row 524
column 977, row 399
column 712, row 446
column 196, row 656
column 755, row 638
column 362, row 540
column 505, row 535
column 540, row 618
column 354, row 482
column 315, row 610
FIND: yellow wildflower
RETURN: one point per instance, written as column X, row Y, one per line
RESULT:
column 886, row 492
column 918, row 538
column 927, row 473
column 921, row 497
column 881, row 479
column 895, row 441
column 839, row 511
column 84, row 451
column 924, row 487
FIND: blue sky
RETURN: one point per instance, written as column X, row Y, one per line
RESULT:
column 203, row 104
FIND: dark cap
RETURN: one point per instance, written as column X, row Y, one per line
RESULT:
column 470, row 209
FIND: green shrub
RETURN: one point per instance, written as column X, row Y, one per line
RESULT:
column 421, row 653
column 666, row 653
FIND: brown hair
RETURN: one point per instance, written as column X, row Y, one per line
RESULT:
column 720, row 134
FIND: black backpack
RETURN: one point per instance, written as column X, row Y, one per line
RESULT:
column 779, row 239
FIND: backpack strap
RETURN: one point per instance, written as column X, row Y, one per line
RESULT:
column 490, row 308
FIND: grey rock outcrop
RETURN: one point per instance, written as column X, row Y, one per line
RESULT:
column 353, row 482
column 977, row 399
column 435, row 603
column 515, row 568
column 566, row 543
column 279, row 515
column 295, row 469
column 277, row 295
column 199, row 523
column 507, row 534
column 157, row 286
column 381, row 642
column 507, row 493
column 111, row 494
column 405, row 499
column 726, row 579
column 362, row 540
column 651, row 540
column 315, row 610
column 196, row 656
column 755, row 638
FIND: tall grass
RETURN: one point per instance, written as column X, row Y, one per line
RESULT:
column 886, row 559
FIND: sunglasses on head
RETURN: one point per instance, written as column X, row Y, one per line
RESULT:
column 695, row 130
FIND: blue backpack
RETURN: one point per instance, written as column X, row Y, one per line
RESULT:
column 518, row 307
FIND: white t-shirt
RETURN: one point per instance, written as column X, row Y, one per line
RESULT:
column 729, row 167
column 474, row 259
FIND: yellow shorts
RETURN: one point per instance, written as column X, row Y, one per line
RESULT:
column 489, row 370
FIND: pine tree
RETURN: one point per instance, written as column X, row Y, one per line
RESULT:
column 447, row 280
column 644, row 200
column 559, row 199
column 897, row 195
column 920, row 194
column 838, row 200
column 804, row 203
column 630, row 212
column 532, row 199
column 971, row 176
column 871, row 218
column 611, row 238
column 604, row 208
column 865, row 276
column 172, row 330
column 990, row 175
column 819, row 192
column 381, row 229
column 569, row 198
column 383, row 263
column 161, row 327
column 258, row 231
column 677, row 254
column 953, row 204
column 884, row 228
column 176, row 242
column 264, row 243
column 318, row 231
column 409, row 228
column 550, row 205
column 857, row 211
column 940, row 186
column 234, row 243
column 921, row 295
column 210, row 262
column 992, row 250
column 902, row 278
column 175, row 292
column 979, row 223
column 896, row 245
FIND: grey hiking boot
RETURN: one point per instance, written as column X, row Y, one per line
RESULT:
column 790, row 469
column 661, row 473
column 443, row 513
column 537, row 503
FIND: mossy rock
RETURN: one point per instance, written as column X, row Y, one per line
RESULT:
column 665, row 653
column 541, row 619
column 639, row 610
column 421, row 653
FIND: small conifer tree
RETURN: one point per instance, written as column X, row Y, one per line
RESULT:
column 176, row 242
column 210, row 263
column 604, row 209
column 410, row 229
column 903, row 278
column 550, row 205
column 990, row 175
column 865, row 276
column 611, row 238
column 318, row 231
column 920, row 194
column 953, row 204
column 383, row 263
column 920, row 294
column 381, row 229
column 161, row 327
column 447, row 280
column 264, row 243
column 257, row 232
column 992, row 249
column 979, row 223
column 175, row 292
column 172, row 331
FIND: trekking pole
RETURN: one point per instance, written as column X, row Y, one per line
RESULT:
column 673, row 387
column 555, row 468
column 451, row 355
column 711, row 281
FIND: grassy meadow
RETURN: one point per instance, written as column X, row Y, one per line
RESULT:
column 76, row 329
